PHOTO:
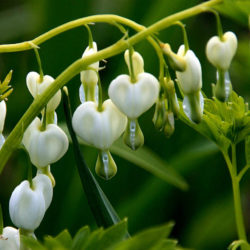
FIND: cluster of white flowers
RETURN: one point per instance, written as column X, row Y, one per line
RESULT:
column 100, row 125
column 189, row 75
column 45, row 143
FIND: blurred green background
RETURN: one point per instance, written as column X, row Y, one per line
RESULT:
column 204, row 213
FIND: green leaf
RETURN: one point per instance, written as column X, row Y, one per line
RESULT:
column 28, row 242
column 147, row 239
column 64, row 238
column 238, row 10
column 113, row 235
column 148, row 160
column 80, row 237
column 53, row 244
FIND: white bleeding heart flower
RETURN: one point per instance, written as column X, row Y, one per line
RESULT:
column 45, row 146
column 137, row 61
column 133, row 99
column 221, row 52
column 36, row 88
column 28, row 204
column 10, row 239
column 2, row 115
column 89, row 77
column 99, row 128
column 190, row 79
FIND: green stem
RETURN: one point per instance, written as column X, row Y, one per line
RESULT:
column 15, row 137
column 1, row 220
column 232, row 166
column 131, row 66
column 99, row 93
column 218, row 24
column 185, row 38
column 90, row 36
column 39, row 64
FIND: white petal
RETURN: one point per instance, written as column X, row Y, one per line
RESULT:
column 10, row 239
column 43, row 183
column 26, row 207
column 133, row 99
column 99, row 129
column 190, row 79
column 2, row 115
column 220, row 53
column 45, row 147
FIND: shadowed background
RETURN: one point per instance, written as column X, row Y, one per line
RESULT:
column 203, row 213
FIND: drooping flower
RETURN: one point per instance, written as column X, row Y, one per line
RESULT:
column 45, row 146
column 28, row 204
column 221, row 52
column 36, row 88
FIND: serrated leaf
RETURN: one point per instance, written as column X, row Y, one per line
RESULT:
column 53, row 244
column 147, row 239
column 80, row 238
column 149, row 161
column 113, row 235
column 28, row 242
column 64, row 238
column 92, row 242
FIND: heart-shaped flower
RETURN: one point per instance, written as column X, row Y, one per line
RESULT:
column 189, row 79
column 45, row 146
column 36, row 88
column 221, row 52
column 10, row 239
column 133, row 99
column 99, row 128
column 28, row 203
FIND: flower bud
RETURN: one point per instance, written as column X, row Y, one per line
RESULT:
column 177, row 62
column 105, row 165
column 10, row 239
column 99, row 128
column 28, row 203
column 89, row 77
column 133, row 99
column 133, row 136
column 169, row 124
column 190, row 79
column 221, row 52
column 137, row 61
column 193, row 106
column 36, row 88
column 173, row 104
column 158, row 118
column 45, row 146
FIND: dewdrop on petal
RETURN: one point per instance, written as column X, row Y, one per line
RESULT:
column 36, row 88
column 89, row 77
column 28, row 204
column 2, row 121
column 10, row 239
column 221, row 52
column 45, row 146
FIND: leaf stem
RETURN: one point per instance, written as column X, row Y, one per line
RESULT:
column 232, row 166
